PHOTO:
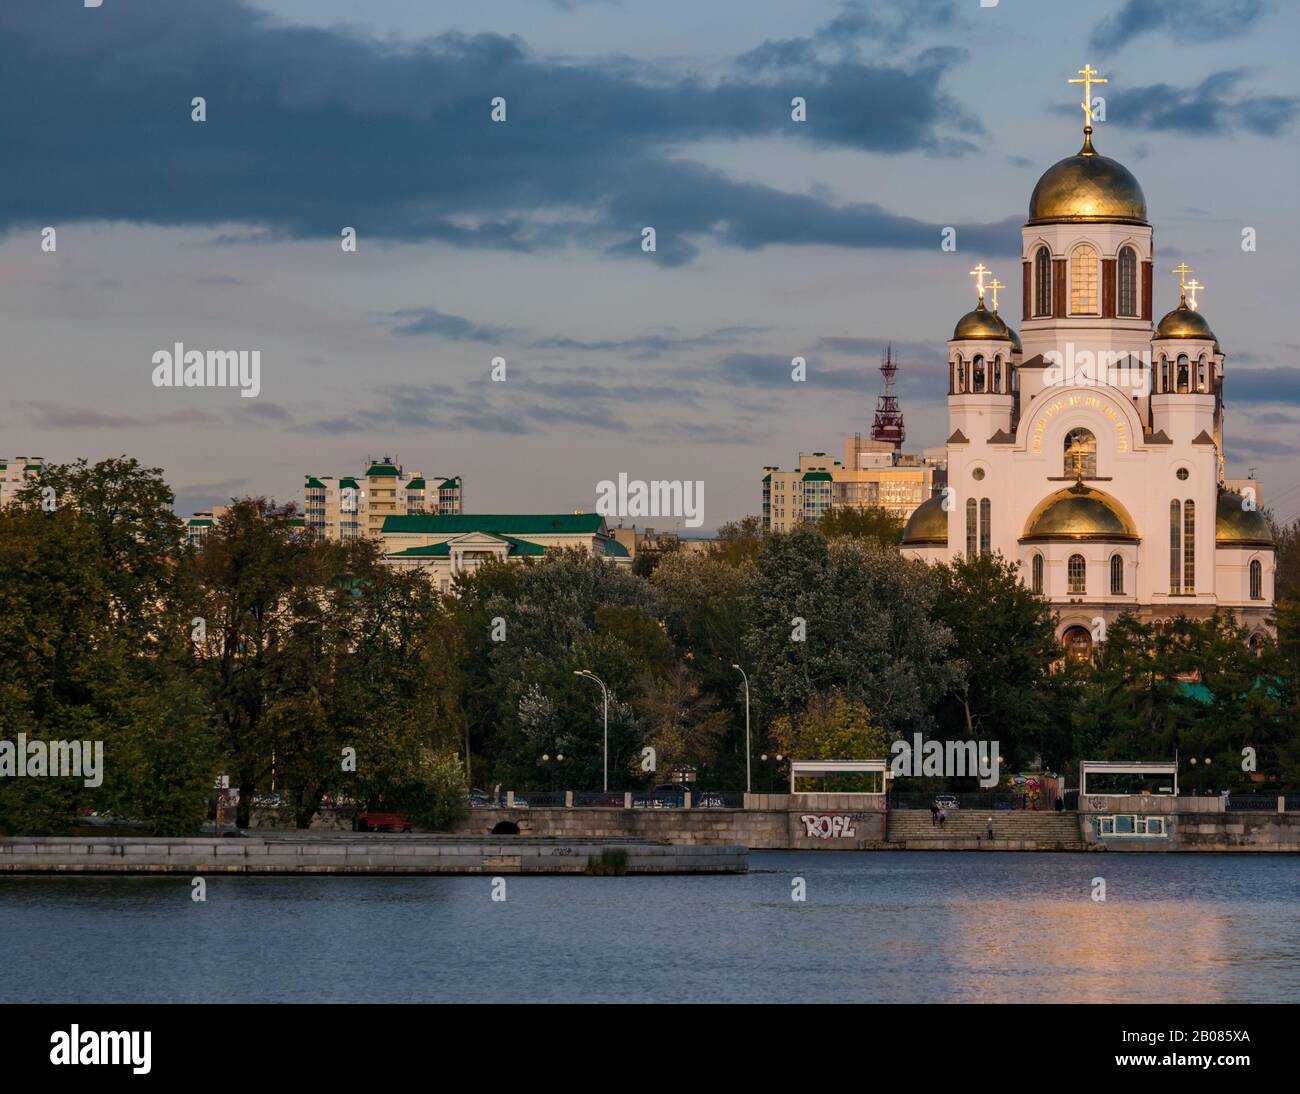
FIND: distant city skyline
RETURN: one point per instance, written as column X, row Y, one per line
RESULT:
column 521, row 240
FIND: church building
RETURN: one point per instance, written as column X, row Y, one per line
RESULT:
column 1089, row 447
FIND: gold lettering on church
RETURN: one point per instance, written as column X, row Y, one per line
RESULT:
column 1080, row 402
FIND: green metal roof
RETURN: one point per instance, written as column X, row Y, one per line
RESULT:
column 415, row 484
column 197, row 523
column 449, row 484
column 817, row 476
column 381, row 469
column 525, row 524
column 314, row 483
column 767, row 477
column 518, row 547
column 614, row 549
column 33, row 467
column 348, row 484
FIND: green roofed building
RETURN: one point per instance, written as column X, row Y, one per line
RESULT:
column 350, row 508
column 443, row 546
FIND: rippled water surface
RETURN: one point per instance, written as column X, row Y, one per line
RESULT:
column 889, row 927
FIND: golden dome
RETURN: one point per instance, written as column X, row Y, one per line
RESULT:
column 1087, row 188
column 1185, row 322
column 981, row 325
column 928, row 526
column 1011, row 334
column 1079, row 513
column 1237, row 526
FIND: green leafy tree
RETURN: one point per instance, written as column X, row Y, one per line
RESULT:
column 866, row 523
column 849, row 617
column 1007, row 633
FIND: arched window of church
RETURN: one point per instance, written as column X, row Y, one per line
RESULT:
column 1128, row 264
column 1256, row 580
column 1202, row 375
column 997, row 374
column 972, row 527
column 1189, row 546
column 1083, row 280
column 1116, row 575
column 977, row 372
column 1162, row 376
column 986, row 526
column 1253, row 645
column 1036, row 569
column 1043, row 282
column 1076, row 571
column 1184, row 373
column 1175, row 546
column 1080, row 454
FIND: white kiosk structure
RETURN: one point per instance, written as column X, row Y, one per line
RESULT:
column 1118, row 767
column 819, row 769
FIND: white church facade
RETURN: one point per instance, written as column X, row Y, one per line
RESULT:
column 1089, row 448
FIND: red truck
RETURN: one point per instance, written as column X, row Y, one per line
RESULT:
column 381, row 822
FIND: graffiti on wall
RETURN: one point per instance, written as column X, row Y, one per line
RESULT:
column 829, row 825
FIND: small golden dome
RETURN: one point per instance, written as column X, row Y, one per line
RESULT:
column 1237, row 526
column 1185, row 322
column 981, row 325
column 1087, row 188
column 1011, row 334
column 928, row 525
column 1079, row 513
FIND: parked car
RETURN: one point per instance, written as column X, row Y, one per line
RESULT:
column 946, row 801
column 381, row 822
column 667, row 796
column 479, row 799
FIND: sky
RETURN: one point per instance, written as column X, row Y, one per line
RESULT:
column 522, row 239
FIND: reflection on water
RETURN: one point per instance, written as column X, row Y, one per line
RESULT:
column 888, row 926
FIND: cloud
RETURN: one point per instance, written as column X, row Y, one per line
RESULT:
column 416, row 321
column 1208, row 107
column 59, row 416
column 1197, row 21
column 310, row 130
column 1262, row 385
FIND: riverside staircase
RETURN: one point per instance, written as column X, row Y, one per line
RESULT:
column 1013, row 830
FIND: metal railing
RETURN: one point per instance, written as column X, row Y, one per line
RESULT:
column 1263, row 803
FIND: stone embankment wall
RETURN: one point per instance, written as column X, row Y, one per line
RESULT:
column 359, row 854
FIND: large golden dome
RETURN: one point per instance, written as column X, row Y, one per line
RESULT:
column 1079, row 513
column 1087, row 188
column 928, row 525
column 1235, row 525
column 981, row 325
column 1185, row 322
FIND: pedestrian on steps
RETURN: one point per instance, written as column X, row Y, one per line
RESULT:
column 943, row 815
column 988, row 828
column 934, row 815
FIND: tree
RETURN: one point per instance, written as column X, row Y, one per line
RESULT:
column 849, row 617
column 94, row 622
column 681, row 722
column 832, row 727
column 738, row 541
column 1007, row 634
column 866, row 523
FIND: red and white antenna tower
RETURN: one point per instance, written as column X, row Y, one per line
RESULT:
column 888, row 424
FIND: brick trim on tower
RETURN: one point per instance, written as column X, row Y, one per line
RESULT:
column 1146, row 291
column 1058, row 288
column 1109, row 287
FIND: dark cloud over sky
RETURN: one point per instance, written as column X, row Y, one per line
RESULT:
column 311, row 130
column 1194, row 21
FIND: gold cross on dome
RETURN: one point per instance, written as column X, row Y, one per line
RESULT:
column 1192, row 287
column 978, row 274
column 1182, row 270
column 1089, row 77
column 994, row 285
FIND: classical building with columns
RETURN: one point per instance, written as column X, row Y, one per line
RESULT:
column 1089, row 447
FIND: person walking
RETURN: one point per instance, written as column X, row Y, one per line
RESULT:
column 934, row 815
column 943, row 815
column 988, row 828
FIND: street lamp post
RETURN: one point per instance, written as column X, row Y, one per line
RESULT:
column 746, row 679
column 604, row 692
